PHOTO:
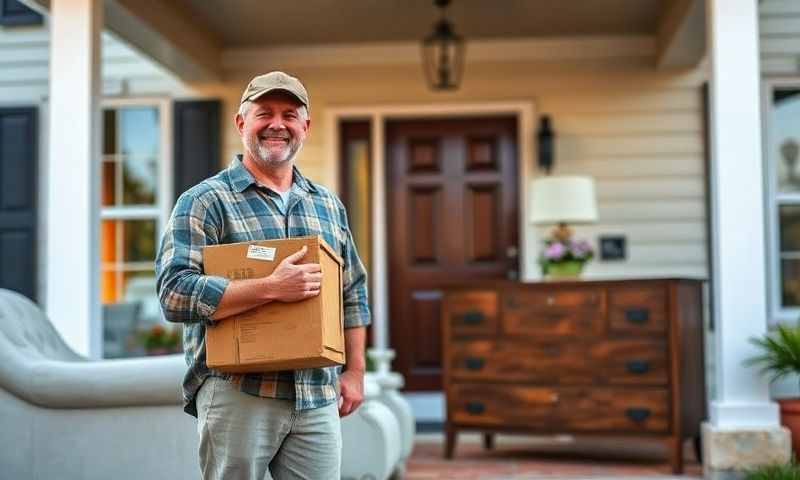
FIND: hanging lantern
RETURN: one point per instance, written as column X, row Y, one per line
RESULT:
column 443, row 54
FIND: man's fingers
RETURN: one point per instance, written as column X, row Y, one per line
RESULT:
column 311, row 267
column 296, row 256
column 313, row 277
column 311, row 293
column 345, row 408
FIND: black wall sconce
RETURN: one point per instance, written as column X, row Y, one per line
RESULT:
column 546, row 144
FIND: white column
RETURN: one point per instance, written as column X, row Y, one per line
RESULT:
column 738, row 212
column 73, row 180
column 380, row 269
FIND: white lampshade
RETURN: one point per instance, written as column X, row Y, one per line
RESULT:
column 563, row 199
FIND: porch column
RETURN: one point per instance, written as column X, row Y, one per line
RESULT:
column 744, row 428
column 73, row 173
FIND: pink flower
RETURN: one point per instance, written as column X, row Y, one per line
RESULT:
column 555, row 251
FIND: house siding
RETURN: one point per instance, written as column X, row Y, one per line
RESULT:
column 24, row 65
column 779, row 32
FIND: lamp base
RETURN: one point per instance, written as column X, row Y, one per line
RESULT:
column 562, row 233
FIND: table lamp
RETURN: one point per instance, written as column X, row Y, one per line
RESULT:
column 562, row 200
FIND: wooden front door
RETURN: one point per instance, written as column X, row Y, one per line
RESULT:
column 452, row 220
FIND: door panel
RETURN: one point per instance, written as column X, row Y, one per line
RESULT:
column 452, row 198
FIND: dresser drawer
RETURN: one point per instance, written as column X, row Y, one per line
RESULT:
column 576, row 409
column 631, row 361
column 509, row 361
column 471, row 313
column 638, row 309
column 497, row 405
column 608, row 409
column 559, row 312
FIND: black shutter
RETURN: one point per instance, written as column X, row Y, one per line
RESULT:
column 197, row 144
column 18, row 212
column 14, row 13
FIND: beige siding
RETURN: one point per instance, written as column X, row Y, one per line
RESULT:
column 779, row 29
column 637, row 131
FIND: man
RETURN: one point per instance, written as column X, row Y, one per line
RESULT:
column 278, row 424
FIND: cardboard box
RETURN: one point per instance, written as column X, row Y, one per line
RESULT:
column 278, row 335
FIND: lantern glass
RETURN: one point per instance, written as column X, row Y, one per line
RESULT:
column 443, row 58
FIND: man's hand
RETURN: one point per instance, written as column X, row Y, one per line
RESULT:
column 351, row 385
column 291, row 282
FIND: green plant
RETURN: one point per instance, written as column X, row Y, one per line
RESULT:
column 559, row 252
column 786, row 471
column 780, row 352
column 158, row 338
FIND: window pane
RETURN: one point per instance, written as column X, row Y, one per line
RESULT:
column 790, row 282
column 784, row 138
column 109, row 182
column 109, row 131
column 358, row 196
column 140, row 240
column 139, row 177
column 139, row 131
column 790, row 228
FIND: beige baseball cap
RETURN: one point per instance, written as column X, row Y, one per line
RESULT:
column 273, row 81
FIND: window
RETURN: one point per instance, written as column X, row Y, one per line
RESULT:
column 136, row 199
column 14, row 13
column 782, row 157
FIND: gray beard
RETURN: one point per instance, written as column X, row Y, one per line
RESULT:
column 261, row 153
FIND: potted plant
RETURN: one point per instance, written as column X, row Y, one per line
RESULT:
column 780, row 357
column 158, row 340
column 786, row 471
column 563, row 259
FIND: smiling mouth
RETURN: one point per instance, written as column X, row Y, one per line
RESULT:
column 279, row 140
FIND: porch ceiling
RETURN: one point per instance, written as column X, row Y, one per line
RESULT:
column 250, row 23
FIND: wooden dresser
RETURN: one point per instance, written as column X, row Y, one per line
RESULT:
column 617, row 358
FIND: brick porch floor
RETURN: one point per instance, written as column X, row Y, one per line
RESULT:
column 516, row 457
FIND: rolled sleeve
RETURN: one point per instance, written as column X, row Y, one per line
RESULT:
column 185, row 293
column 356, row 302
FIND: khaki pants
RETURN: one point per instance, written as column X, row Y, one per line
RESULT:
column 244, row 437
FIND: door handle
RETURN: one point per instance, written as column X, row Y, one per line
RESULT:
column 638, row 366
column 637, row 315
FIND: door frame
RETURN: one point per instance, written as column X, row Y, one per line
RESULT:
column 378, row 115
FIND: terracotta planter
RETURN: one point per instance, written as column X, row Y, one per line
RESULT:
column 790, row 418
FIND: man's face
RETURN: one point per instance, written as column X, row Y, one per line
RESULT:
column 272, row 130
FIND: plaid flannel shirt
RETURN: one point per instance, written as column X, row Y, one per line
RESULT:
column 233, row 207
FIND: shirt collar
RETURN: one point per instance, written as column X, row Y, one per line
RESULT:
column 241, row 178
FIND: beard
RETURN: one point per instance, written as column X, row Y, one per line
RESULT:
column 271, row 157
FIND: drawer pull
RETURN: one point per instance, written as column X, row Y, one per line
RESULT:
column 638, row 414
column 638, row 366
column 637, row 315
column 473, row 363
column 475, row 408
column 472, row 317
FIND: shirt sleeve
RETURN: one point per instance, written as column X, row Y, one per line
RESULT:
column 356, row 303
column 185, row 293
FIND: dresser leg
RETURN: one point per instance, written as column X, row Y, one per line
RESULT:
column 449, row 442
column 676, row 454
column 488, row 441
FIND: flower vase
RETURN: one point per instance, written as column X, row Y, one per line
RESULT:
column 567, row 270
